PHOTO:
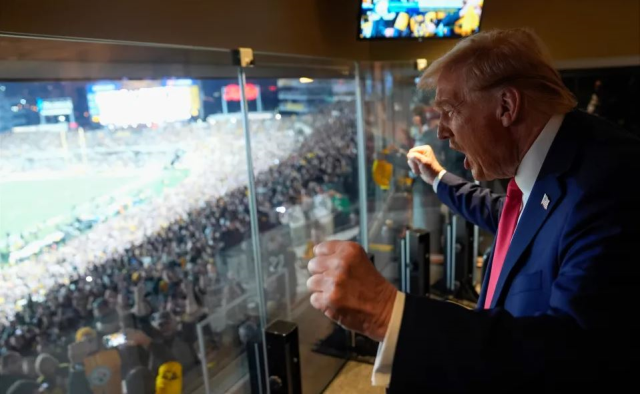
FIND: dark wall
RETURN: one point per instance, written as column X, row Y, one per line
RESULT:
column 572, row 29
column 310, row 27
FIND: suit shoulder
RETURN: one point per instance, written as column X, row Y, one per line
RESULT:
column 604, row 149
column 599, row 131
column 605, row 161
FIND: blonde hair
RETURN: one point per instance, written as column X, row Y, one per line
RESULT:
column 513, row 57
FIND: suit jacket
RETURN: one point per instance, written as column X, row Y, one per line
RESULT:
column 562, row 316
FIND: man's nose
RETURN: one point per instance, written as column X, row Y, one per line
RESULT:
column 444, row 133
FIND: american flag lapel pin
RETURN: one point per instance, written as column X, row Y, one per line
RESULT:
column 545, row 201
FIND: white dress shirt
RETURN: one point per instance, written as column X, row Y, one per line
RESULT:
column 526, row 176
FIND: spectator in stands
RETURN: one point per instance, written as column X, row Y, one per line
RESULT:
column 140, row 380
column 24, row 387
column 10, row 370
column 47, row 370
column 149, row 270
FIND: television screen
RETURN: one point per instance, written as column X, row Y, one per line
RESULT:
column 394, row 19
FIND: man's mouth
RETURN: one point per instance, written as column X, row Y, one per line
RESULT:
column 454, row 146
column 467, row 163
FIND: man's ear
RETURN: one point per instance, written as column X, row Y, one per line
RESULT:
column 510, row 103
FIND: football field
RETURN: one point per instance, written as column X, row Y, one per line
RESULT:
column 25, row 203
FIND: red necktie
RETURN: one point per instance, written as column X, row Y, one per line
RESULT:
column 506, row 228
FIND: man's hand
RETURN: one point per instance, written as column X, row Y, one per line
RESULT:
column 423, row 162
column 78, row 351
column 137, row 338
column 348, row 289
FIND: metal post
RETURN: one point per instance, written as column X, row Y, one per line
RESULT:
column 403, row 266
column 83, row 145
column 203, row 355
column 223, row 100
column 288, row 293
column 259, row 99
column 256, row 350
column 476, row 247
column 454, row 258
column 253, row 211
column 407, row 262
column 201, row 104
column 449, row 255
column 362, row 162
column 65, row 146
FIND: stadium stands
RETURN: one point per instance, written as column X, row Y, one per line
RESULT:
column 157, row 268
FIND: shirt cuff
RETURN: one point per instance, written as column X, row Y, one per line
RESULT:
column 387, row 349
column 436, row 181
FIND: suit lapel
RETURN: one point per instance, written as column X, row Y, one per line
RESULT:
column 533, row 217
column 539, row 208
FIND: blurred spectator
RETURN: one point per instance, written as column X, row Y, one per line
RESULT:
column 140, row 381
column 10, row 370
column 47, row 369
column 24, row 387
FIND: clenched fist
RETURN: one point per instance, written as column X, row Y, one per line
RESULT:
column 423, row 162
column 348, row 289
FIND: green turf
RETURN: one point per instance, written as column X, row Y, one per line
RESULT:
column 25, row 204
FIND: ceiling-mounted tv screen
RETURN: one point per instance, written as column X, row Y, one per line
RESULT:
column 419, row 19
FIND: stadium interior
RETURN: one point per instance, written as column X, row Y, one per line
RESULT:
column 160, row 196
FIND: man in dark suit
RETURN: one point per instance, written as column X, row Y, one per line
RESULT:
column 557, row 304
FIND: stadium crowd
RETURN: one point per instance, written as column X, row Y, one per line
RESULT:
column 155, row 271
column 111, row 149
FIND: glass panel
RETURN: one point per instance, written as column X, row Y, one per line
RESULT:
column 387, row 96
column 124, row 218
column 305, row 163
column 399, row 117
